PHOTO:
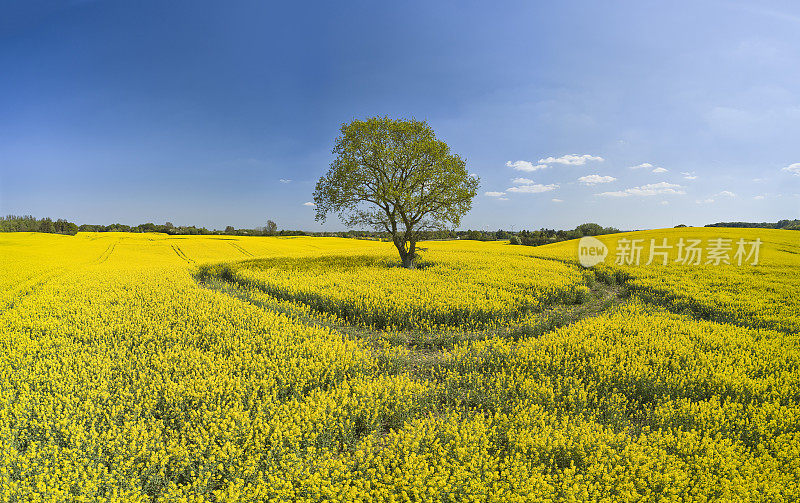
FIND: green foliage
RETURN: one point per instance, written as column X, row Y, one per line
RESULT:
column 780, row 224
column 28, row 223
column 474, row 235
column 395, row 176
column 547, row 236
column 592, row 229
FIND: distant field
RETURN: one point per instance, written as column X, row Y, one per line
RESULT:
column 145, row 367
column 763, row 296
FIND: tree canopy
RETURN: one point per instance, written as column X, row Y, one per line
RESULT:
column 395, row 175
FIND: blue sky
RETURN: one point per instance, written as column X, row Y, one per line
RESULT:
column 225, row 113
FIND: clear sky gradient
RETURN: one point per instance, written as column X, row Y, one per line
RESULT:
column 225, row 113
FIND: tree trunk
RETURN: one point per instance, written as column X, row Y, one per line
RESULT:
column 409, row 262
column 408, row 255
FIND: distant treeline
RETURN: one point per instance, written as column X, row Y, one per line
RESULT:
column 780, row 224
column 523, row 237
column 28, row 223
column 183, row 230
column 269, row 230
column 547, row 236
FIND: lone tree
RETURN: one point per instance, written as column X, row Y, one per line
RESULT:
column 394, row 175
column 271, row 228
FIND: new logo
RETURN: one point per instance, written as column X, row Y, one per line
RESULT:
column 591, row 251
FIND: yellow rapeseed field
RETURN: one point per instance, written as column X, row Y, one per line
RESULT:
column 766, row 295
column 146, row 367
column 460, row 286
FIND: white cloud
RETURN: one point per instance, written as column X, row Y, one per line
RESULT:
column 689, row 175
column 309, row 203
column 494, row 194
column 724, row 193
column 651, row 189
column 557, row 200
column 793, row 168
column 528, row 186
column 664, row 203
column 525, row 166
column 534, row 188
column 759, row 198
column 647, row 165
column 595, row 179
column 616, row 193
column 503, row 199
column 571, row 159
column 285, row 180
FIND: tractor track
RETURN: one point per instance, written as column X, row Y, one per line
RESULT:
column 242, row 250
column 181, row 254
column 107, row 252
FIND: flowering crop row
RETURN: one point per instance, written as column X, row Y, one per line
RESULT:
column 458, row 289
